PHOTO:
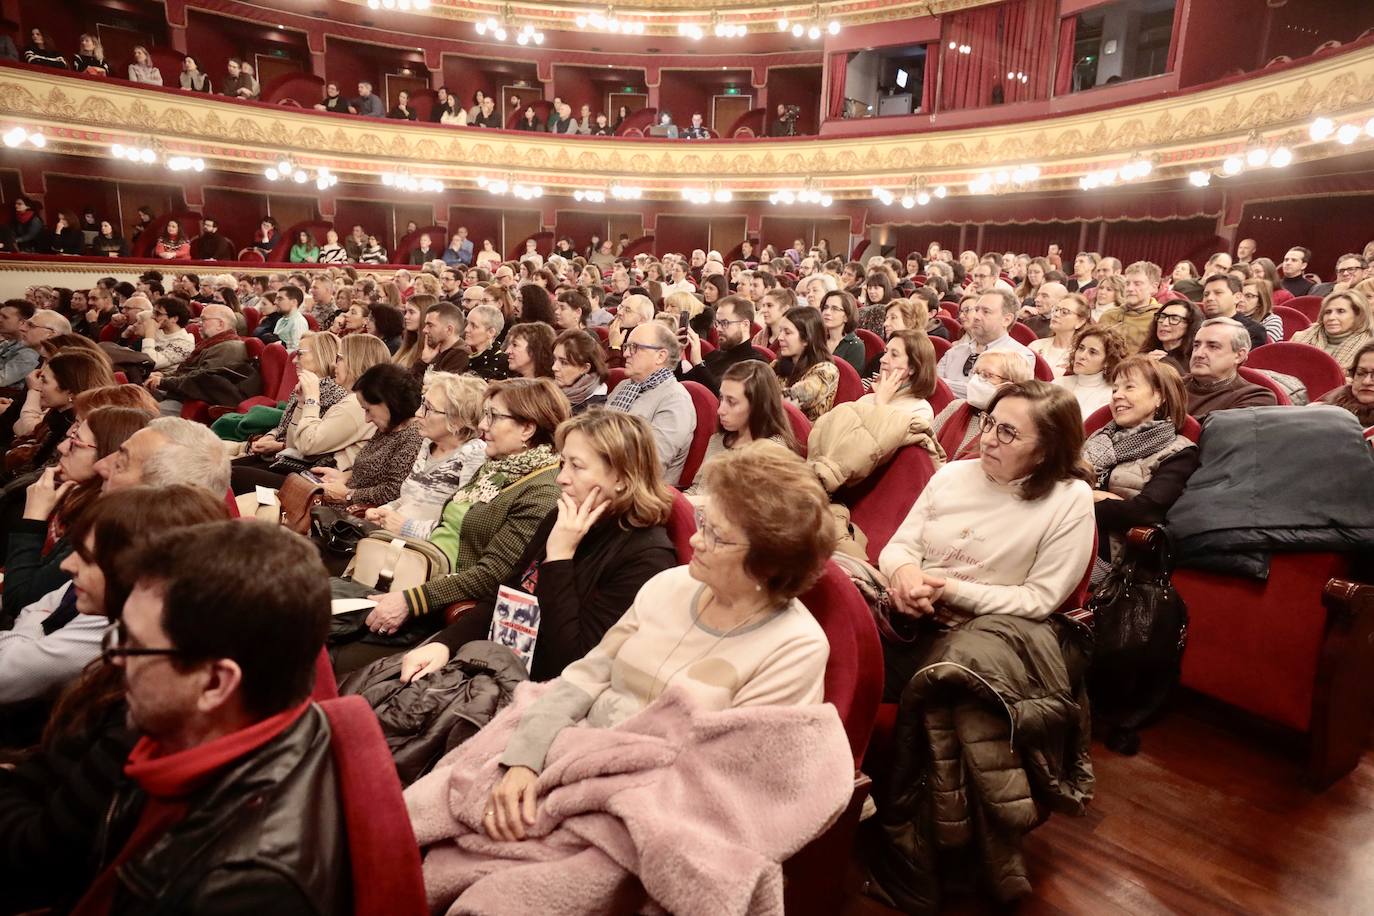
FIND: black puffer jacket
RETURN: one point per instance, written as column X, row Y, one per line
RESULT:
column 265, row 836
column 425, row 719
column 992, row 734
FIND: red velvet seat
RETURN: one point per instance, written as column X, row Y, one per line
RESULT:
column 941, row 396
column 278, row 374
column 801, row 427
column 952, row 325
column 1022, row 334
column 879, row 503
column 614, row 377
column 384, row 859
column 326, row 688
column 1042, row 371
column 953, row 432
column 603, row 334
column 251, row 319
column 873, row 344
column 1192, row 429
column 941, row 346
column 121, row 379
column 252, row 254
column 1309, row 306
column 768, row 355
column 310, row 322
column 1254, row 376
column 1313, row 365
column 682, row 524
column 200, row 411
column 706, row 405
column 1293, row 321
column 850, row 387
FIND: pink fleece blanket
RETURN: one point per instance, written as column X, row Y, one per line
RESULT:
column 700, row 806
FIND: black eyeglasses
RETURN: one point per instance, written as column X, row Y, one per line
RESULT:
column 113, row 645
column 1006, row 433
column 1166, row 318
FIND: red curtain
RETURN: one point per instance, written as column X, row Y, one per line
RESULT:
column 1006, row 61
column 1068, row 31
column 1031, row 239
column 1165, row 243
column 1026, row 32
column 968, row 79
column 839, row 64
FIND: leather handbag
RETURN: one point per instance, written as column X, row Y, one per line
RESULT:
column 298, row 495
column 387, row 562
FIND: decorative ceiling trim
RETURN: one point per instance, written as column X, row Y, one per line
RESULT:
column 1180, row 133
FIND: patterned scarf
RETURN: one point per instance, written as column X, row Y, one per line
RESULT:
column 629, row 392
column 578, row 392
column 1111, row 445
column 499, row 473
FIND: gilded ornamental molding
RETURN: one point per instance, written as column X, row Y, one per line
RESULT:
column 1183, row 132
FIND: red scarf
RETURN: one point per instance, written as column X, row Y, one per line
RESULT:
column 168, row 780
column 219, row 338
column 25, row 216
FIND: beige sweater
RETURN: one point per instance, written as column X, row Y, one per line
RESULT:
column 778, row 660
column 341, row 431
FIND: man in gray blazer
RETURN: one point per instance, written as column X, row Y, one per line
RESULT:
column 652, row 392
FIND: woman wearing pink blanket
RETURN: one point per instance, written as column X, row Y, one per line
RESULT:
column 727, row 629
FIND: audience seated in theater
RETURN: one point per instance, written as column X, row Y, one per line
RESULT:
column 1342, row 327
column 1171, row 338
column 210, row 245
column 481, row 336
column 651, row 391
column 326, row 426
column 57, row 795
column 1358, row 396
column 239, row 83
column 1009, row 533
column 1096, row 352
column 172, row 245
column 750, row 410
column 192, row 79
column 451, row 451
column 459, row 250
column 754, row 555
column 48, row 408
column 373, row 253
column 291, row 323
column 580, row 369
column 100, row 311
column 530, row 121
column 28, row 227
column 1294, row 269
column 402, row 111
column 1350, row 270
column 484, row 528
column 442, row 332
column 488, row 257
column 804, row 366
column 17, row 359
column 446, row 110
column 906, row 375
column 593, row 552
column 390, row 398
column 333, row 101
column 988, row 324
column 529, row 350
column 839, row 319
column 486, row 115
column 41, row 51
column 991, row 370
column 1134, row 316
column 1069, row 315
column 367, row 103
column 1221, row 297
column 385, row 321
column 165, row 338
column 218, row 347
column 331, row 252
column 109, row 243
column 570, row 310
column 1141, row 459
column 66, row 236
column 424, row 252
column 734, row 317
column 143, row 70
column 1213, row 382
column 304, row 250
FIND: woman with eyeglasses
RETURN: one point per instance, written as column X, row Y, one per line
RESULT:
column 727, row 629
column 804, row 365
column 1358, row 396
column 1171, row 336
column 55, row 386
column 1010, row 533
column 958, row 425
column 592, row 553
column 1066, row 319
column 838, row 317
column 1343, row 327
column 54, row 799
column 485, row 526
column 451, row 451
column 1257, row 303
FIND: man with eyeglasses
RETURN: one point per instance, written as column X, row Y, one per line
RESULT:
column 1350, row 269
column 472, row 297
column 17, row 359
column 734, row 329
column 988, row 325
column 1220, row 296
column 218, row 348
column 221, row 693
column 44, row 324
column 651, row 391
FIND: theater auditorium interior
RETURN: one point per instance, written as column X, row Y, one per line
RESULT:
column 864, row 457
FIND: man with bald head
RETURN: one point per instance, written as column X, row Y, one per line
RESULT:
column 1037, row 315
column 219, row 347
column 653, row 392
column 1245, row 251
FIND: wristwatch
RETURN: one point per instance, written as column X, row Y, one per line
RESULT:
column 310, row 402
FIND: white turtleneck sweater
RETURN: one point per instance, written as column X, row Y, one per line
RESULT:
column 1092, row 391
column 998, row 553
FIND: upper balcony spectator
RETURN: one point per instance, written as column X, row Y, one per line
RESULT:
column 446, row 109
column 240, row 83
column 210, row 245
column 191, row 77
column 143, row 70
column 366, row 103
column 42, row 51
column 172, row 245
column 332, row 100
column 487, row 116
column 90, row 58
column 402, row 111
column 698, row 130
column 530, row 121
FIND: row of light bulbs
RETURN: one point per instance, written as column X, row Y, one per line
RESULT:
column 285, row 170
column 788, row 197
column 1134, row 170
column 18, row 136
column 498, row 186
column 404, row 182
column 524, row 35
column 404, row 6
column 1004, row 179
column 1256, row 157
column 146, row 155
column 1324, row 129
column 910, row 198
column 813, row 31
column 616, row 192
column 707, row 195
column 609, row 22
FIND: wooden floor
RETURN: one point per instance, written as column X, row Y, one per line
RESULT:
column 1203, row 820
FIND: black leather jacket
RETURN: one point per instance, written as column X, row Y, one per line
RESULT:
column 266, row 836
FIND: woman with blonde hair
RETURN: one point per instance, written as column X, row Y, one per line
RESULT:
column 1071, row 314
column 1257, row 303
column 594, row 551
column 90, row 57
column 1342, row 327
column 1114, row 287
column 143, row 70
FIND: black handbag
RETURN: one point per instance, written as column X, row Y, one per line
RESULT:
column 1140, row 629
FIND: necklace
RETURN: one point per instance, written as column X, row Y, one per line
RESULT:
column 691, row 661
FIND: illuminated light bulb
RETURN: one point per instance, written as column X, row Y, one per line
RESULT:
column 148, row 156
column 117, row 150
column 15, row 136
column 522, row 39
column 539, row 38
column 723, row 196
column 1257, row 157
column 941, row 191
column 422, row 4
column 787, row 197
column 1322, row 129
column 581, row 22
column 500, row 34
column 271, row 175
column 908, row 201
column 1199, row 179
column 389, row 4
column 798, row 30
column 481, row 28
column 833, row 28
column 826, row 200
column 1232, row 166
column 923, row 198
column 403, row 6
column 813, row 33
column 783, row 25
column 38, row 140
column 373, row 5
column 1281, row 157
column 953, row 46
column 299, row 177
column 1348, row 134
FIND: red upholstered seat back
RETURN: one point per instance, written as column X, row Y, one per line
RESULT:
column 850, row 388
column 1293, row 320
column 801, row 427
column 953, row 432
column 326, row 688
column 251, row 319
column 1022, row 334
column 1313, row 365
column 873, row 344
column 1043, row 372
column 1309, row 306
column 854, row 671
column 682, row 524
column 1192, row 429
column 384, row 858
column 952, row 325
column 879, row 503
column 253, row 345
column 941, row 396
column 274, row 365
column 705, row 404
column 941, row 346
column 614, row 377
column 1256, row 377
column 768, row 355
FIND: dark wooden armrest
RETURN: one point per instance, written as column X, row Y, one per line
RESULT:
column 457, row 609
column 1145, row 537
column 1343, row 697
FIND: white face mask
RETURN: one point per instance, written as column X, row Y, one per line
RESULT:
column 980, row 391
